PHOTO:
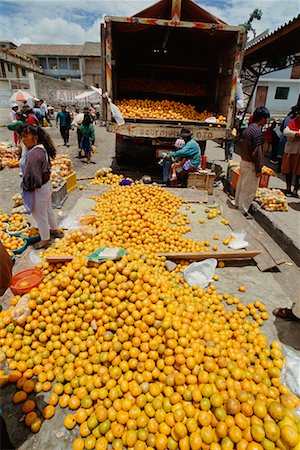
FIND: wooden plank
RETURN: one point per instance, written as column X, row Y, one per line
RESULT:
column 189, row 195
column 237, row 221
column 59, row 259
column 198, row 256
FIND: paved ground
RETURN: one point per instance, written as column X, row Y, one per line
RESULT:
column 267, row 287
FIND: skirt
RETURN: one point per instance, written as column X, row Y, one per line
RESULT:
column 291, row 163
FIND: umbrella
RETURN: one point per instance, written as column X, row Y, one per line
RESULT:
column 20, row 96
column 84, row 95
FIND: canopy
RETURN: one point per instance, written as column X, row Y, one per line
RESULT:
column 84, row 95
column 21, row 96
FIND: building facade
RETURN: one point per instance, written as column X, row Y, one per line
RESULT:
column 15, row 69
column 82, row 62
column 278, row 91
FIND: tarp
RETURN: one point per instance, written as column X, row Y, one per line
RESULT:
column 190, row 12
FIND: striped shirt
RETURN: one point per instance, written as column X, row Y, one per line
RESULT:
column 252, row 146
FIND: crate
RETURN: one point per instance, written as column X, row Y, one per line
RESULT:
column 202, row 181
column 263, row 181
column 59, row 195
column 71, row 182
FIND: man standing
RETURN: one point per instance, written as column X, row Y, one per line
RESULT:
column 252, row 161
column 64, row 119
column 13, row 112
column 77, row 122
column 38, row 112
column 44, row 109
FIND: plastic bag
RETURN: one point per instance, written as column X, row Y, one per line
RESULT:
column 116, row 113
column 103, row 254
column 34, row 258
column 290, row 374
column 21, row 311
column 239, row 96
column 200, row 273
column 239, row 240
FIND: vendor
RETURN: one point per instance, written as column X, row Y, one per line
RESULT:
column 176, row 167
column 37, row 186
column 5, row 269
column 190, row 151
column 252, row 161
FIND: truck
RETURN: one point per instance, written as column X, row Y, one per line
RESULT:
column 173, row 51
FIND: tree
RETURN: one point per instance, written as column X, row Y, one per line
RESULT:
column 255, row 15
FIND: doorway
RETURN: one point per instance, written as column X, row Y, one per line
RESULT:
column 261, row 96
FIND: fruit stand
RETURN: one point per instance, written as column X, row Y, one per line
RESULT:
column 125, row 354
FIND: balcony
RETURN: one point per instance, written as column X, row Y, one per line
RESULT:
column 62, row 73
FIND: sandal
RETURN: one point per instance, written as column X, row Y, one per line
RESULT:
column 56, row 233
column 42, row 244
column 285, row 314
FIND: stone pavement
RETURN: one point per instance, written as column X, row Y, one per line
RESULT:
column 283, row 227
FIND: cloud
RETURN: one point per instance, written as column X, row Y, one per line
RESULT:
column 74, row 21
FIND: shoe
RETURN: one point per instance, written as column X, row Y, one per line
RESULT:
column 285, row 314
column 295, row 194
column 56, row 233
column 273, row 162
column 248, row 216
column 42, row 244
column 288, row 194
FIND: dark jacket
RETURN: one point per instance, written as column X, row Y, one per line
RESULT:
column 37, row 169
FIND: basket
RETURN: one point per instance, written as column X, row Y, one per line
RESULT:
column 31, row 276
column 20, row 250
column 16, row 233
column 32, row 239
column 202, row 181
column 71, row 182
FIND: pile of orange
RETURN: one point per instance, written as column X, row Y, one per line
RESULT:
column 134, row 217
column 11, row 242
column 163, row 109
column 141, row 360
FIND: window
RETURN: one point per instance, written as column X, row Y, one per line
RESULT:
column 282, row 93
column 23, row 71
column 3, row 71
column 74, row 63
column 9, row 67
column 43, row 63
column 63, row 63
column 52, row 63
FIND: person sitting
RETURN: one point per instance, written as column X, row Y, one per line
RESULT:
column 190, row 151
column 177, row 165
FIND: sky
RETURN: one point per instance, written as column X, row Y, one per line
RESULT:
column 76, row 21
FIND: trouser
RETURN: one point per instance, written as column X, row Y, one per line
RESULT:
column 229, row 149
column 65, row 132
column 289, row 180
column 166, row 168
column 246, row 186
column 42, row 210
column 79, row 137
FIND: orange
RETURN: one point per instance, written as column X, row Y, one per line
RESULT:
column 48, row 411
column 36, row 425
column 19, row 397
column 70, row 421
column 28, row 406
column 30, row 417
column 78, row 444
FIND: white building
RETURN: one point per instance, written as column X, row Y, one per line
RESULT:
column 278, row 91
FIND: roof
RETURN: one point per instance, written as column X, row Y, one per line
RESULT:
column 91, row 49
column 51, row 49
column 285, row 41
column 190, row 12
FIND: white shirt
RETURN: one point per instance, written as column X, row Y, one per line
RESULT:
column 78, row 119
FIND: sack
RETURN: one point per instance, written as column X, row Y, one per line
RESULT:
column 116, row 113
column 200, row 273
column 187, row 165
column 239, row 240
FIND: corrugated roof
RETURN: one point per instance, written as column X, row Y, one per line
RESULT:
column 91, row 49
column 254, row 42
column 51, row 49
column 281, row 43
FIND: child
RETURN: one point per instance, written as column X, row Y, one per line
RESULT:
column 177, row 166
column 88, row 136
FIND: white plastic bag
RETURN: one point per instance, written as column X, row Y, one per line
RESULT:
column 116, row 113
column 200, row 273
column 239, row 96
column 21, row 311
column 290, row 374
column 239, row 240
column 34, row 258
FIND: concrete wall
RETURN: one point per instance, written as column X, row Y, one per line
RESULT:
column 281, row 74
column 92, row 71
column 50, row 89
column 277, row 106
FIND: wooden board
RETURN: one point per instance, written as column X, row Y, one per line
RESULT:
column 59, row 259
column 237, row 221
column 198, row 256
